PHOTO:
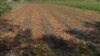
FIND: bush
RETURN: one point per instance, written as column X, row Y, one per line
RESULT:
column 4, row 7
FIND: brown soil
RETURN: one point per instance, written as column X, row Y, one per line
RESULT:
column 39, row 23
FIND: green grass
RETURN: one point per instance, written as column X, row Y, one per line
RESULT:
column 79, row 4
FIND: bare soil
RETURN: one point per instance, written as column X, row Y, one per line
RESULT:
column 47, row 30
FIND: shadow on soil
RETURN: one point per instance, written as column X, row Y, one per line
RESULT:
column 24, row 37
column 95, row 25
column 21, row 45
column 51, row 45
column 91, row 37
column 57, row 43
column 5, row 26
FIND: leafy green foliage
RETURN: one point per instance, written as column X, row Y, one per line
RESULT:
column 3, row 7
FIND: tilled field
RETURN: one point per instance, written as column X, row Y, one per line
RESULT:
column 47, row 30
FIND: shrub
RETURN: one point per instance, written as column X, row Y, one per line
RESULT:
column 4, row 7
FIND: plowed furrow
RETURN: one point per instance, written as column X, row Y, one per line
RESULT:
column 40, row 29
column 19, row 19
column 59, row 27
column 18, row 25
column 72, row 23
column 16, row 13
column 79, row 14
column 48, row 29
column 37, row 29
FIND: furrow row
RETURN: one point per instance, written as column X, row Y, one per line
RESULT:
column 59, row 27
